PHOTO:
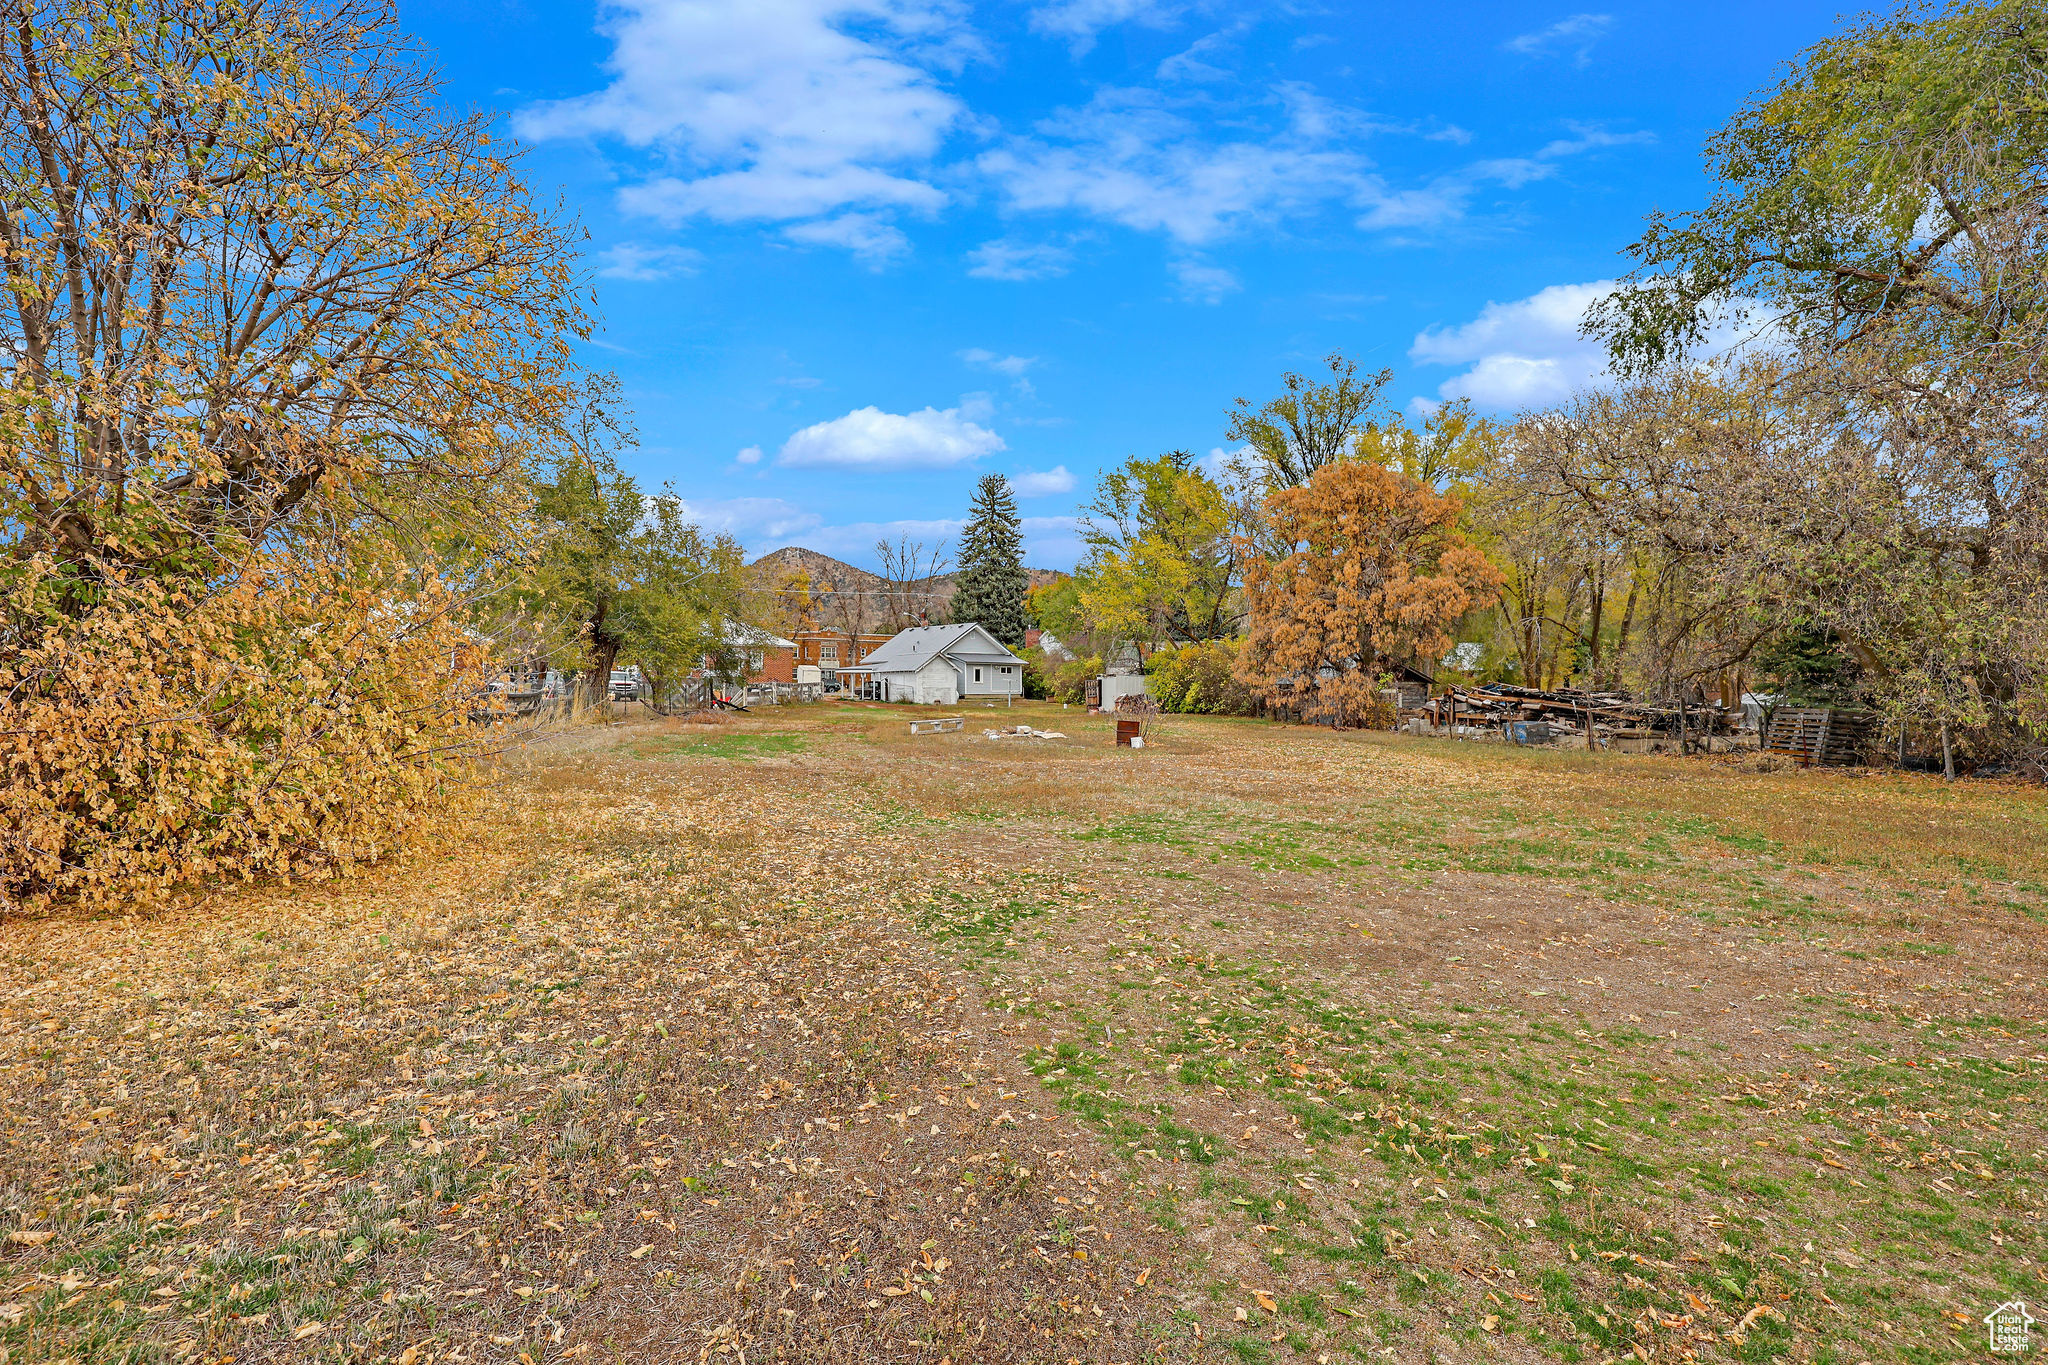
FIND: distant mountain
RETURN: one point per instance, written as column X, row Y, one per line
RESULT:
column 829, row 575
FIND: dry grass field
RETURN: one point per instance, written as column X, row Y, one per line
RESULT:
column 800, row 1038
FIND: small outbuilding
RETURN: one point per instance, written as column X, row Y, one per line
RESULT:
column 939, row 666
column 1112, row 688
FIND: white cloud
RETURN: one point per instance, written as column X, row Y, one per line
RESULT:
column 1201, row 282
column 1042, row 483
column 643, row 263
column 1012, row 366
column 773, row 110
column 775, row 194
column 1128, row 156
column 1448, row 198
column 751, row 455
column 869, row 439
column 874, row 242
column 1136, row 157
column 1529, row 353
column 1523, row 354
column 751, row 519
column 1079, row 21
column 1588, row 137
column 1191, row 63
column 1575, row 35
column 1216, row 464
column 1004, row 259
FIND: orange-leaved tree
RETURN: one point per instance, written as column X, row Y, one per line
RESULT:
column 1375, row 574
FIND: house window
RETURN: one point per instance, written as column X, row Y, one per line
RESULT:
column 754, row 658
column 1006, row 671
column 829, row 650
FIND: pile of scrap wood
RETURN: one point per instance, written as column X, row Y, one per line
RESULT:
column 1609, row 714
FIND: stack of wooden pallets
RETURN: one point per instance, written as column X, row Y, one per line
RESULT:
column 1820, row 735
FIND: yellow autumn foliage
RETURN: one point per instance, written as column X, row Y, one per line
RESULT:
column 290, row 719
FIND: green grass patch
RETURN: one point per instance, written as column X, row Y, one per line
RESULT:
column 735, row 747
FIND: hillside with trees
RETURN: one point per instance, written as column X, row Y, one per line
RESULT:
column 839, row 594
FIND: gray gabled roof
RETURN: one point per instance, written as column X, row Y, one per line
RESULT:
column 909, row 650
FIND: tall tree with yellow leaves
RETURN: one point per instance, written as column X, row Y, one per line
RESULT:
column 286, row 344
column 1162, row 564
column 257, row 283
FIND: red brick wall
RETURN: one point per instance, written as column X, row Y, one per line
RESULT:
column 851, row 651
column 777, row 665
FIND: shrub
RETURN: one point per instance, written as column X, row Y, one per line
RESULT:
column 1201, row 679
column 293, row 720
column 1069, row 681
column 1168, row 678
column 1038, row 672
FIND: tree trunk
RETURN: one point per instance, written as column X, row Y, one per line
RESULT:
column 1628, row 617
column 1595, row 609
column 1948, row 757
column 603, row 656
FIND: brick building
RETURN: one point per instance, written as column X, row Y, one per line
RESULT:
column 762, row 657
column 832, row 650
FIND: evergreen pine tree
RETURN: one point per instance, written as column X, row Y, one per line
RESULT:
column 991, row 589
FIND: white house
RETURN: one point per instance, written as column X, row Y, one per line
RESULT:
column 940, row 665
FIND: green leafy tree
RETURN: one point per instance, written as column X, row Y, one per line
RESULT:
column 1885, row 207
column 683, row 594
column 1056, row 606
column 627, row 575
column 991, row 585
column 1452, row 451
column 1162, row 562
column 588, row 515
column 1201, row 679
column 1310, row 424
column 1895, row 176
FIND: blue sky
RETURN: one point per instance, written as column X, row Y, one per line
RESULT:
column 850, row 255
